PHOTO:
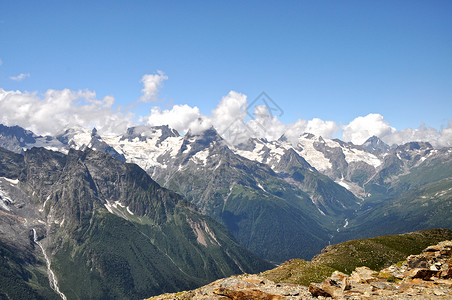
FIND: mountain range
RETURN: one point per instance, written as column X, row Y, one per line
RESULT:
column 278, row 199
column 277, row 194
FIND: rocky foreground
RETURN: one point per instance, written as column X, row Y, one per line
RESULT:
column 424, row 276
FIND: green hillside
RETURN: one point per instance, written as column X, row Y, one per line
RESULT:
column 375, row 253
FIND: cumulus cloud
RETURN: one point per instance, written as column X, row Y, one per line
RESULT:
column 57, row 110
column 228, row 116
column 20, row 77
column 180, row 117
column 362, row 128
column 322, row 128
column 151, row 85
column 265, row 124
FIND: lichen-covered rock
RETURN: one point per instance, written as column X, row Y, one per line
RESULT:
column 423, row 276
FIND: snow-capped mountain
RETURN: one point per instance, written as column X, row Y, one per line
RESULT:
column 305, row 192
column 345, row 163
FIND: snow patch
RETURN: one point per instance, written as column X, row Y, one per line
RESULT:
column 343, row 184
column 12, row 181
column 44, row 204
column 317, row 159
column 145, row 153
column 355, row 155
column 346, row 223
column 129, row 211
column 261, row 187
column 201, row 157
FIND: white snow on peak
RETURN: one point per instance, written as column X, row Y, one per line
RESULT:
column 355, row 155
column 318, row 160
column 81, row 138
column 51, row 144
column 274, row 149
column 315, row 158
column 201, row 157
column 145, row 153
column 252, row 155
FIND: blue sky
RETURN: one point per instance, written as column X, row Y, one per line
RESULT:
column 333, row 60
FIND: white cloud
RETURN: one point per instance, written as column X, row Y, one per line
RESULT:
column 362, row 128
column 265, row 125
column 438, row 138
column 231, row 108
column 229, row 119
column 180, row 117
column 322, row 128
column 57, row 110
column 151, row 85
column 20, row 77
column 200, row 124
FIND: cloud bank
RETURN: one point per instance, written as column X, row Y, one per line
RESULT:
column 56, row 110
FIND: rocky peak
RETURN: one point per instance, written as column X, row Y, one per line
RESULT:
column 308, row 136
column 291, row 159
column 144, row 132
column 201, row 141
column 16, row 138
column 413, row 146
column 249, row 145
column 375, row 145
column 98, row 144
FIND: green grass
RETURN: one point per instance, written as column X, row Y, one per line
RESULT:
column 298, row 271
column 375, row 253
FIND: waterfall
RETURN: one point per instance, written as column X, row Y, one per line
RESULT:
column 52, row 278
